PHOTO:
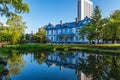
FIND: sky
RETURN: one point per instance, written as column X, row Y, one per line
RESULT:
column 43, row 12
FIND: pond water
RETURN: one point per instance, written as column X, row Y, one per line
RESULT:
column 62, row 66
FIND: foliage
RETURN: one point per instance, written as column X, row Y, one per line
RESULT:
column 88, row 31
column 10, row 7
column 92, row 30
column 105, row 29
column 4, row 35
column 96, row 20
column 114, row 27
column 16, row 28
column 40, row 36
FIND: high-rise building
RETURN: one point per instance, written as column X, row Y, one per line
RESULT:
column 84, row 9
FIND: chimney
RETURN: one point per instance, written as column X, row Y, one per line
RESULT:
column 61, row 22
column 76, row 20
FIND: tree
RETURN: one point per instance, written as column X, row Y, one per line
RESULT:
column 96, row 18
column 16, row 28
column 10, row 7
column 4, row 36
column 88, row 31
column 40, row 35
column 105, row 30
column 114, row 26
column 92, row 30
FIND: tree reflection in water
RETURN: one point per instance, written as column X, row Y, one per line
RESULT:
column 101, row 67
column 15, row 62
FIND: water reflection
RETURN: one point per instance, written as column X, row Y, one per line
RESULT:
column 69, row 60
column 101, row 67
column 15, row 63
column 87, row 66
column 62, row 66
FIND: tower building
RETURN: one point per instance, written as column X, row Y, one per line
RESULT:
column 84, row 9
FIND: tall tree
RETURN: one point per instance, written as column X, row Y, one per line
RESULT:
column 16, row 28
column 96, row 18
column 10, row 7
column 92, row 30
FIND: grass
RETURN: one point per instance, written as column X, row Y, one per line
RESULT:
column 30, row 47
column 102, row 48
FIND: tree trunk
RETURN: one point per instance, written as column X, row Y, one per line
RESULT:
column 114, row 38
column 114, row 41
column 103, row 41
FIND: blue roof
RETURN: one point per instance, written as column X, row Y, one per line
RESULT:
column 69, row 25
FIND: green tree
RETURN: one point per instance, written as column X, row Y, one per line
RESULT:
column 40, row 35
column 4, row 36
column 16, row 28
column 105, row 30
column 114, row 27
column 96, row 18
column 10, row 7
column 88, row 31
column 92, row 30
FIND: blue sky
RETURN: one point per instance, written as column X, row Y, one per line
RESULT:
column 43, row 12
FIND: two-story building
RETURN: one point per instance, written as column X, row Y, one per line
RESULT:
column 66, row 32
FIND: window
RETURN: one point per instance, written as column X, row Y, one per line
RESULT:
column 73, row 30
column 56, row 38
column 56, row 31
column 61, row 31
column 47, row 32
column 76, row 38
column 70, row 29
column 51, row 31
column 83, row 55
column 77, row 30
column 83, row 39
column 65, row 30
column 51, row 38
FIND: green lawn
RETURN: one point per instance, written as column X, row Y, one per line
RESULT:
column 102, row 48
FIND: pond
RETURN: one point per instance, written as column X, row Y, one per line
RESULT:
column 61, row 66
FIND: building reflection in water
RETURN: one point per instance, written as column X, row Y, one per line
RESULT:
column 68, row 60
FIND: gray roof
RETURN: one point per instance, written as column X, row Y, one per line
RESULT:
column 69, row 25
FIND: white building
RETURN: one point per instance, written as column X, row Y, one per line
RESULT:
column 84, row 9
column 69, row 32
